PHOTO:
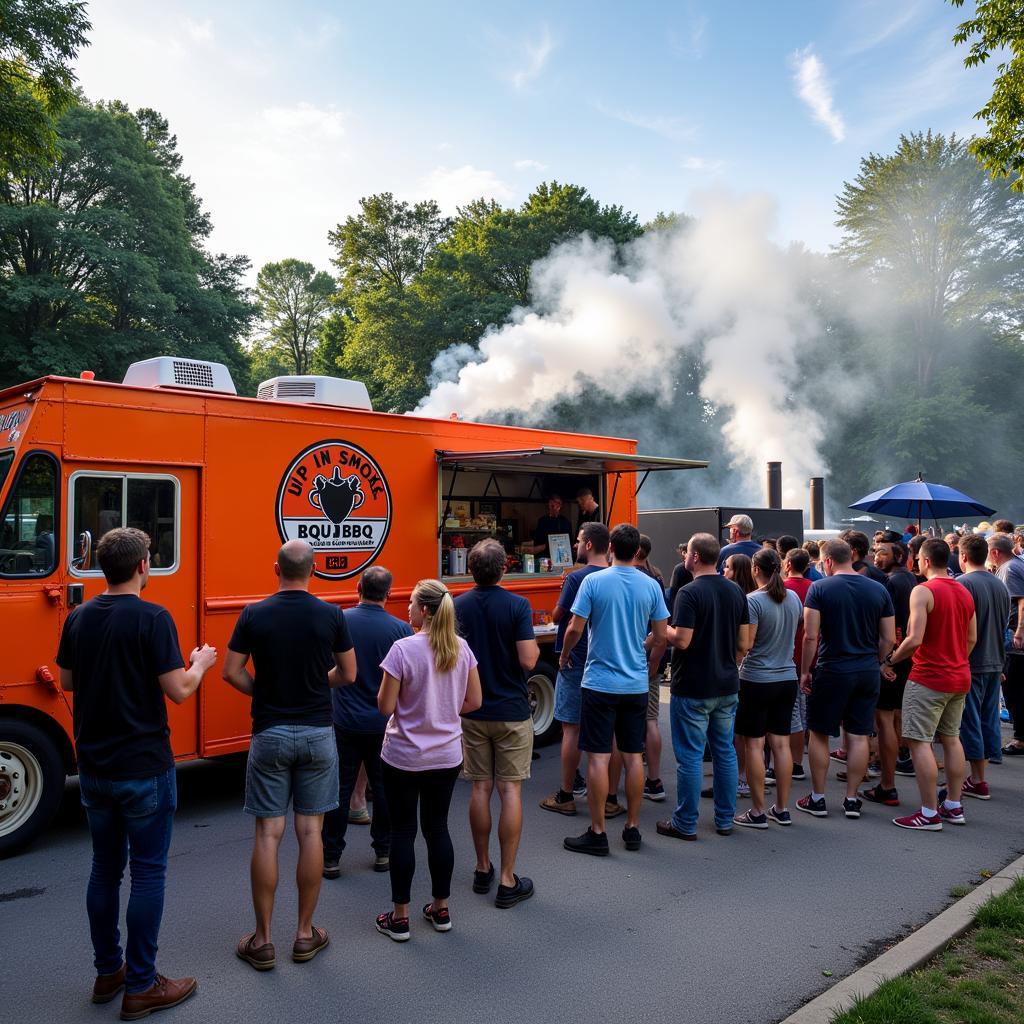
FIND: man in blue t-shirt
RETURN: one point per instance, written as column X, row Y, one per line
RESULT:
column 855, row 619
column 740, row 528
column 592, row 550
column 619, row 605
column 497, row 739
column 358, row 725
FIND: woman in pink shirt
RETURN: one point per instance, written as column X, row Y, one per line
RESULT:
column 430, row 679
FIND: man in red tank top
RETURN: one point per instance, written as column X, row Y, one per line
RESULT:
column 940, row 635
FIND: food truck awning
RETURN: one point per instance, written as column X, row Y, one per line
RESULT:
column 563, row 460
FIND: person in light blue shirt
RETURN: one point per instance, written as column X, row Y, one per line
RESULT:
column 626, row 614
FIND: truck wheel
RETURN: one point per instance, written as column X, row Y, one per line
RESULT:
column 541, row 690
column 31, row 783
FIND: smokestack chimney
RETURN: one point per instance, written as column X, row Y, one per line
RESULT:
column 775, row 485
column 817, row 503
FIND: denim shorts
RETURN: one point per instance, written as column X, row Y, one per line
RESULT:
column 567, row 695
column 292, row 764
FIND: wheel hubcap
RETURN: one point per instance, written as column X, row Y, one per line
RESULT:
column 21, row 786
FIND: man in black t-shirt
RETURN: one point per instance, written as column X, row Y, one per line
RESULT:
column 497, row 738
column 861, row 546
column 705, row 639
column 553, row 522
column 300, row 648
column 120, row 656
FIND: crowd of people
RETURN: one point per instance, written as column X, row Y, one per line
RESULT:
column 772, row 650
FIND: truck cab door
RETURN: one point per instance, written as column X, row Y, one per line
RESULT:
column 163, row 502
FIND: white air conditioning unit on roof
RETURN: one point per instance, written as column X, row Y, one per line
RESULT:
column 346, row 394
column 174, row 372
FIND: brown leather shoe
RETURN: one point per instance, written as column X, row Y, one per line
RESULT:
column 552, row 803
column 612, row 809
column 262, row 957
column 108, row 985
column 161, row 995
column 306, row 949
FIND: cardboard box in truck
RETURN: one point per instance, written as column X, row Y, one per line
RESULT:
column 219, row 482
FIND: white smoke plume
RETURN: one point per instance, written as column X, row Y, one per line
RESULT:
column 716, row 286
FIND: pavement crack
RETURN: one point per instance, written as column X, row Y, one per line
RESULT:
column 20, row 894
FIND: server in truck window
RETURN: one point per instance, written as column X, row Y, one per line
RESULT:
column 553, row 522
column 120, row 656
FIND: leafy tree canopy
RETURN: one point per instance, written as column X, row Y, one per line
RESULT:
column 998, row 25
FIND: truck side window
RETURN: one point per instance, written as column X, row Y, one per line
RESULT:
column 104, row 502
column 28, row 545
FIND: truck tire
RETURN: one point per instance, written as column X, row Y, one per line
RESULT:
column 31, row 783
column 541, row 689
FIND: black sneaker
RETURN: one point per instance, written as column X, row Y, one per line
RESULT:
column 510, row 895
column 851, row 807
column 748, row 819
column 483, row 880
column 631, row 837
column 709, row 793
column 799, row 775
column 590, row 842
column 812, row 806
column 332, row 867
column 579, row 786
column 879, row 795
column 395, row 928
column 440, row 919
column 779, row 817
column 769, row 777
column 654, row 790
column 905, row 767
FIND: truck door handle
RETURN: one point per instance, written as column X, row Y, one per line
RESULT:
column 76, row 594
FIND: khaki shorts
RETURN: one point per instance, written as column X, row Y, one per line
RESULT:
column 927, row 713
column 654, row 698
column 497, row 750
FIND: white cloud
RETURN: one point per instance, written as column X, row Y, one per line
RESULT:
column 453, row 187
column 692, row 42
column 537, row 55
column 200, row 31
column 676, row 129
column 305, row 121
column 702, row 164
column 813, row 88
column 530, row 165
column 321, row 36
column 894, row 21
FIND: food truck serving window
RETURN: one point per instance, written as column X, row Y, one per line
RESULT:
column 100, row 502
column 28, row 547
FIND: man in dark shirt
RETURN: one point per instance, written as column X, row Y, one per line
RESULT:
column 861, row 547
column 120, row 656
column 358, row 724
column 590, row 511
column 854, row 617
column 553, row 522
column 705, row 639
column 300, row 648
column 592, row 548
column 740, row 529
column 891, row 559
column 1010, row 569
column 498, row 737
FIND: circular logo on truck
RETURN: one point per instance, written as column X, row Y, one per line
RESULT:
column 335, row 497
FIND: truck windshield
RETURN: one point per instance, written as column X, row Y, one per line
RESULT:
column 27, row 528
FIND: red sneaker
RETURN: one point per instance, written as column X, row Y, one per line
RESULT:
column 839, row 755
column 979, row 790
column 954, row 815
column 918, row 822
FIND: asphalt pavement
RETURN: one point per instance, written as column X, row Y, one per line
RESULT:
column 734, row 929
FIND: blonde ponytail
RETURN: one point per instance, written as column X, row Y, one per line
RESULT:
column 439, row 623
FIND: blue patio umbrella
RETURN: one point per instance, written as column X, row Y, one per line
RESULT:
column 918, row 499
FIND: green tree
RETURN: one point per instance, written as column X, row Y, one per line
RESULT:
column 39, row 40
column 293, row 299
column 929, row 223
column 102, row 263
column 999, row 25
column 388, row 243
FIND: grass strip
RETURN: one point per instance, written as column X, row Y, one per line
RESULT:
column 979, row 979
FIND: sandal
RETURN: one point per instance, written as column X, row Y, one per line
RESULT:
column 306, row 949
column 1013, row 749
column 262, row 958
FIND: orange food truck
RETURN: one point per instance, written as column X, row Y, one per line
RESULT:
column 218, row 482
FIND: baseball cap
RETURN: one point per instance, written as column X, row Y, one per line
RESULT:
column 742, row 523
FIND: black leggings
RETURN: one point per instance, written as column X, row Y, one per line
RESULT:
column 1013, row 693
column 432, row 790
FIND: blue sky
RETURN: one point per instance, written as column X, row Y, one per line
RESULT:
column 287, row 115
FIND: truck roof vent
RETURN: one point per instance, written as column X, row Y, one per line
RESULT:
column 172, row 372
column 347, row 394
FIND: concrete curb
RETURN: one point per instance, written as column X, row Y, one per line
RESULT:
column 914, row 951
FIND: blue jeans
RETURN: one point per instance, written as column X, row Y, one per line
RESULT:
column 130, row 819
column 695, row 721
column 980, row 731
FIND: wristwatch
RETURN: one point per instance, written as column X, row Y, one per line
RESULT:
column 887, row 660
